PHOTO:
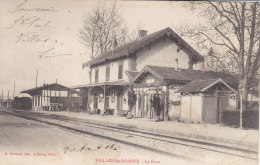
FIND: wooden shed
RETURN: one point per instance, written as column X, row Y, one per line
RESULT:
column 204, row 100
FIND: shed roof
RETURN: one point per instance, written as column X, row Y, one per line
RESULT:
column 202, row 86
column 131, row 47
column 184, row 75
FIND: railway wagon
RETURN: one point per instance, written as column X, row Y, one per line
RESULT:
column 24, row 103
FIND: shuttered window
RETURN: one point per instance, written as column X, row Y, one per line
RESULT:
column 120, row 71
column 107, row 73
column 96, row 75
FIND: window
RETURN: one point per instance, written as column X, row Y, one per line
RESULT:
column 107, row 73
column 120, row 70
column 113, row 97
column 96, row 75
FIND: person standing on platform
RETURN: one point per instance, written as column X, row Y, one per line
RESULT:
column 156, row 104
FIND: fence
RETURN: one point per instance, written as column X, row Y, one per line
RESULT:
column 250, row 118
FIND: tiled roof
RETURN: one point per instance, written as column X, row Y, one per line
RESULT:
column 185, row 75
column 130, row 48
column 201, row 85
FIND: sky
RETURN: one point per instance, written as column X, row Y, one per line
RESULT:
column 43, row 35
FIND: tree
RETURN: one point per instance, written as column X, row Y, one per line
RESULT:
column 232, row 28
column 102, row 26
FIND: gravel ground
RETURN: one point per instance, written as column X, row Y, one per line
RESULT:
column 20, row 139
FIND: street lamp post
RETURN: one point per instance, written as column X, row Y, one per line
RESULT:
column 240, row 88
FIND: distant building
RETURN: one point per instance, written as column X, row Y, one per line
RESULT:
column 53, row 97
column 6, row 103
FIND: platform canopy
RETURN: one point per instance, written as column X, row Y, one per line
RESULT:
column 109, row 83
column 53, row 86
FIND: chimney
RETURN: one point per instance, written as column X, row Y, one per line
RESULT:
column 142, row 33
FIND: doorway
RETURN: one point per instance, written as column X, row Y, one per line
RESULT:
column 214, row 106
column 120, row 102
column 95, row 102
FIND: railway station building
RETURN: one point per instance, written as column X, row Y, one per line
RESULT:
column 161, row 60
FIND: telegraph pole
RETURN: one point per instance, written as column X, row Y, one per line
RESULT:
column 14, row 90
column 7, row 99
column 2, row 97
column 240, row 88
column 36, row 79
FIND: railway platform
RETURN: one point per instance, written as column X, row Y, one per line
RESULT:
column 207, row 133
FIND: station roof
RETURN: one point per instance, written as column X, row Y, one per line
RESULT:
column 53, row 86
column 131, row 47
column 184, row 75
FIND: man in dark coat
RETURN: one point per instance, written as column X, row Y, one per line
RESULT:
column 162, row 107
column 156, row 103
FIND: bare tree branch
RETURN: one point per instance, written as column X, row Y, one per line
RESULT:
column 101, row 27
column 233, row 29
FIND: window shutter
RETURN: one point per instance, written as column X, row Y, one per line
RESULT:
column 107, row 73
column 120, row 71
column 96, row 75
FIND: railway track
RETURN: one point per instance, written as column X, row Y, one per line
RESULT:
column 162, row 144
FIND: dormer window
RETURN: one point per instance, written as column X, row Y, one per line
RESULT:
column 120, row 70
column 107, row 72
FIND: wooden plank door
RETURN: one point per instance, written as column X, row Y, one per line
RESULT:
column 222, row 104
column 120, row 102
column 211, row 112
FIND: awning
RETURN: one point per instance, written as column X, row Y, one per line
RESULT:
column 109, row 83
